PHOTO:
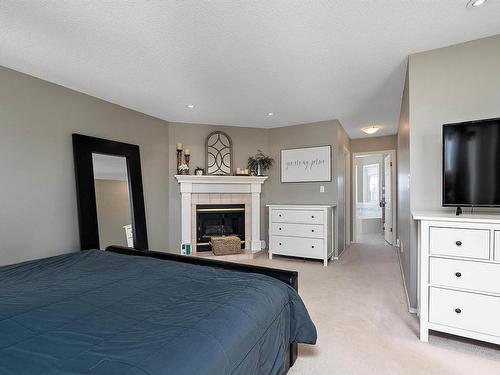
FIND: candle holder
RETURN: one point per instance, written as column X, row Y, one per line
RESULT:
column 179, row 160
column 186, row 158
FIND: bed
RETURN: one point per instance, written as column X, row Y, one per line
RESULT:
column 143, row 312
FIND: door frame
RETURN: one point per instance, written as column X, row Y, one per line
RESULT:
column 347, row 196
column 393, row 190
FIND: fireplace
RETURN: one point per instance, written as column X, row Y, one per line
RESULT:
column 219, row 220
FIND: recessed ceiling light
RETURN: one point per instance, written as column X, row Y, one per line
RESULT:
column 270, row 113
column 190, row 106
column 371, row 129
column 475, row 3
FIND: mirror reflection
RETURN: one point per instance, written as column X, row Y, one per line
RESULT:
column 114, row 216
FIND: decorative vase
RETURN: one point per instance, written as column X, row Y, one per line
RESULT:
column 259, row 170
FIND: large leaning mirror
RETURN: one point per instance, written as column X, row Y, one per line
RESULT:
column 109, row 193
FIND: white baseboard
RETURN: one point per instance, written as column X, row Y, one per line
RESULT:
column 411, row 310
column 338, row 257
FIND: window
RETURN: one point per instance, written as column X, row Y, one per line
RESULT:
column 371, row 183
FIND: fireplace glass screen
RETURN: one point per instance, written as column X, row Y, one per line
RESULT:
column 219, row 220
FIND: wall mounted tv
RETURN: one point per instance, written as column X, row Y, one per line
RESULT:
column 471, row 164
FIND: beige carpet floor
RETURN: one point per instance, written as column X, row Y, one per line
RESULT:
column 359, row 307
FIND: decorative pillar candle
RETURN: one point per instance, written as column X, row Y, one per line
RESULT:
column 179, row 159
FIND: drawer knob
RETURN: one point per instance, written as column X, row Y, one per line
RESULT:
column 312, row 216
column 312, row 230
column 458, row 274
column 312, row 246
column 280, row 243
column 279, row 215
column 458, row 243
column 458, row 311
column 280, row 228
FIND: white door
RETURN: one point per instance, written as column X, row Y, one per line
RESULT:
column 388, row 230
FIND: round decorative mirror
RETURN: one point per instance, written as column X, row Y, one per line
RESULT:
column 219, row 153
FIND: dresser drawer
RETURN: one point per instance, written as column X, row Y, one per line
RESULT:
column 301, row 247
column 459, row 242
column 297, row 216
column 298, row 230
column 468, row 311
column 481, row 277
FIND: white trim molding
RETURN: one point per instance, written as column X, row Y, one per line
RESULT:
column 250, row 185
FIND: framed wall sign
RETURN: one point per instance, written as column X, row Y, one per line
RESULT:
column 308, row 164
column 219, row 153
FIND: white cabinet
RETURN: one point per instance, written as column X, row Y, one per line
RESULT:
column 459, row 275
column 497, row 245
column 301, row 231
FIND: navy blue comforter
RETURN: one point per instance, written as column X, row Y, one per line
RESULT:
column 95, row 312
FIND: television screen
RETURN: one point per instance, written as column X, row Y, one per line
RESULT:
column 471, row 163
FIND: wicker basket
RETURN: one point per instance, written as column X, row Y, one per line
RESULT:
column 226, row 245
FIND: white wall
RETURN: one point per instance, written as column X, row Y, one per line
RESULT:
column 38, row 213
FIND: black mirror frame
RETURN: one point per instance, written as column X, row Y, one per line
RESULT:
column 83, row 148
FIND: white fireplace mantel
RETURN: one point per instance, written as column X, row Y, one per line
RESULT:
column 221, row 184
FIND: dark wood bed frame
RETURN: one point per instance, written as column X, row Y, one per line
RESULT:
column 288, row 277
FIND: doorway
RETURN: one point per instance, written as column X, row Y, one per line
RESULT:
column 373, row 191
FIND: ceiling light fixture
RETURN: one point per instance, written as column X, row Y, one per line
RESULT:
column 190, row 106
column 371, row 129
column 270, row 113
column 476, row 3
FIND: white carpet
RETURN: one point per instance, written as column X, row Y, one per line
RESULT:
column 359, row 307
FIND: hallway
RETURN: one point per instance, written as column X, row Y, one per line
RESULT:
column 359, row 307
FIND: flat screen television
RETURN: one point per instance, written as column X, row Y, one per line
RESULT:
column 471, row 164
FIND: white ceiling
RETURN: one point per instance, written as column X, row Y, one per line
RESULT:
column 238, row 60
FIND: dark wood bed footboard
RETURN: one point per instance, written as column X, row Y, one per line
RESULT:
column 289, row 277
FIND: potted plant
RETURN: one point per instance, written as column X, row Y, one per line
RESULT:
column 259, row 163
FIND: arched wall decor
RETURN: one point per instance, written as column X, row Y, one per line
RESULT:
column 219, row 153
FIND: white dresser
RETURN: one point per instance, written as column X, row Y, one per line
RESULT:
column 459, row 275
column 301, row 231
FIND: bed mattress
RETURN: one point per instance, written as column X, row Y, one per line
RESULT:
column 95, row 312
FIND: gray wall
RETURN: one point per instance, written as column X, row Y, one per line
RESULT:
column 452, row 84
column 246, row 141
column 388, row 142
column 405, row 229
column 342, row 146
column 313, row 134
column 113, row 211
column 38, row 215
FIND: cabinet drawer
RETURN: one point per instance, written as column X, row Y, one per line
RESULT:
column 294, row 246
column 297, row 216
column 467, row 243
column 482, row 277
column 468, row 311
column 497, row 245
column 298, row 230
